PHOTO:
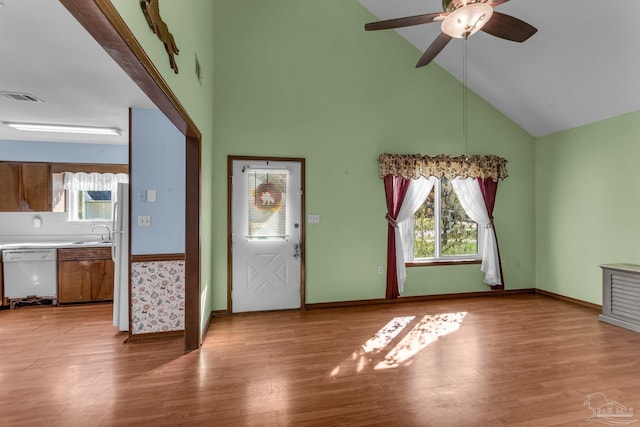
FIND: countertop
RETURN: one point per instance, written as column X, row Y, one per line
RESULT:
column 56, row 245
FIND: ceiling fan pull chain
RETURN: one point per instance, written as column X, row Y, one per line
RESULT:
column 465, row 100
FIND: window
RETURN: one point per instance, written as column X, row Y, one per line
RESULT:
column 89, row 205
column 442, row 230
column 267, row 204
column 85, row 196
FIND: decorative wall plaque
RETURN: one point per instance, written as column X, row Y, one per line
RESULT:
column 151, row 10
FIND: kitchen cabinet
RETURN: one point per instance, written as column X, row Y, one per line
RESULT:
column 26, row 187
column 29, row 187
column 85, row 275
column 11, row 195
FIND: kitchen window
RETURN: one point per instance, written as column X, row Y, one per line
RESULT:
column 89, row 205
column 86, row 196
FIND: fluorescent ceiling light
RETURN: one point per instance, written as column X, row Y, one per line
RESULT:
column 89, row 130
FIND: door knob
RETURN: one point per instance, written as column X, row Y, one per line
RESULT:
column 296, row 247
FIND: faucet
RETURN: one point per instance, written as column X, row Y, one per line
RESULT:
column 106, row 228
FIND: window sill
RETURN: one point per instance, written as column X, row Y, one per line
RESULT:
column 443, row 262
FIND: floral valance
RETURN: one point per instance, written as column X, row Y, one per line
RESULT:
column 81, row 181
column 415, row 165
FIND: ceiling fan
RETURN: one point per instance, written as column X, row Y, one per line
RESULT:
column 461, row 19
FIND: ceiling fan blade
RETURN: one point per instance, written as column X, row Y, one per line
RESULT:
column 509, row 28
column 401, row 22
column 436, row 47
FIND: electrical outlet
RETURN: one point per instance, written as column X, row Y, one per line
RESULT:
column 144, row 221
column 380, row 269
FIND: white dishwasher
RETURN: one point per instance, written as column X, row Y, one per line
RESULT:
column 30, row 273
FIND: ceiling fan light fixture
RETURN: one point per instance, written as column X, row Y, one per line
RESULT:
column 88, row 130
column 467, row 20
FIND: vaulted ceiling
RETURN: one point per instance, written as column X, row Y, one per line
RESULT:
column 582, row 66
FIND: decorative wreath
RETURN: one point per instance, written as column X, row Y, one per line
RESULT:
column 266, row 197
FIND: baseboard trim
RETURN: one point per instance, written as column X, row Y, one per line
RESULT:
column 154, row 336
column 220, row 313
column 421, row 298
column 426, row 298
column 569, row 299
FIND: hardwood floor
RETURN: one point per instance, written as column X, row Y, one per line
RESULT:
column 524, row 360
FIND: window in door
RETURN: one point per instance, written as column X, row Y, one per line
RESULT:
column 267, row 203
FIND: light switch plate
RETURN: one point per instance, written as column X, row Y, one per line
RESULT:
column 314, row 219
column 151, row 195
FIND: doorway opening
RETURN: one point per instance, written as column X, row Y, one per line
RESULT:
column 102, row 21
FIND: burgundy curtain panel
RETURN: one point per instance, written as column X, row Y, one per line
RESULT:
column 395, row 188
column 489, row 189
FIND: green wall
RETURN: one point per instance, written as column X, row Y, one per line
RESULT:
column 586, row 205
column 303, row 79
column 190, row 23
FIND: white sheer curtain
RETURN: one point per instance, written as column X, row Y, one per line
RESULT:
column 82, row 181
column 470, row 196
column 417, row 193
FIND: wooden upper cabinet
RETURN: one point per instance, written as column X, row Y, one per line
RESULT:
column 11, row 193
column 25, row 187
column 36, row 187
column 28, row 187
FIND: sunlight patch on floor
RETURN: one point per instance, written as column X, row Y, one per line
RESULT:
column 387, row 333
column 425, row 332
column 428, row 330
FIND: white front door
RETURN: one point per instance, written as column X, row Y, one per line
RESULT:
column 266, row 240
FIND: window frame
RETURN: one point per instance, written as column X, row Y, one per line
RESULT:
column 71, row 197
column 287, row 232
column 439, row 259
column 57, row 191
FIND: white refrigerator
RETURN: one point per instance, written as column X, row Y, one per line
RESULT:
column 120, row 255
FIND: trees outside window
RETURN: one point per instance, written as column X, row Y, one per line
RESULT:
column 442, row 229
column 89, row 205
